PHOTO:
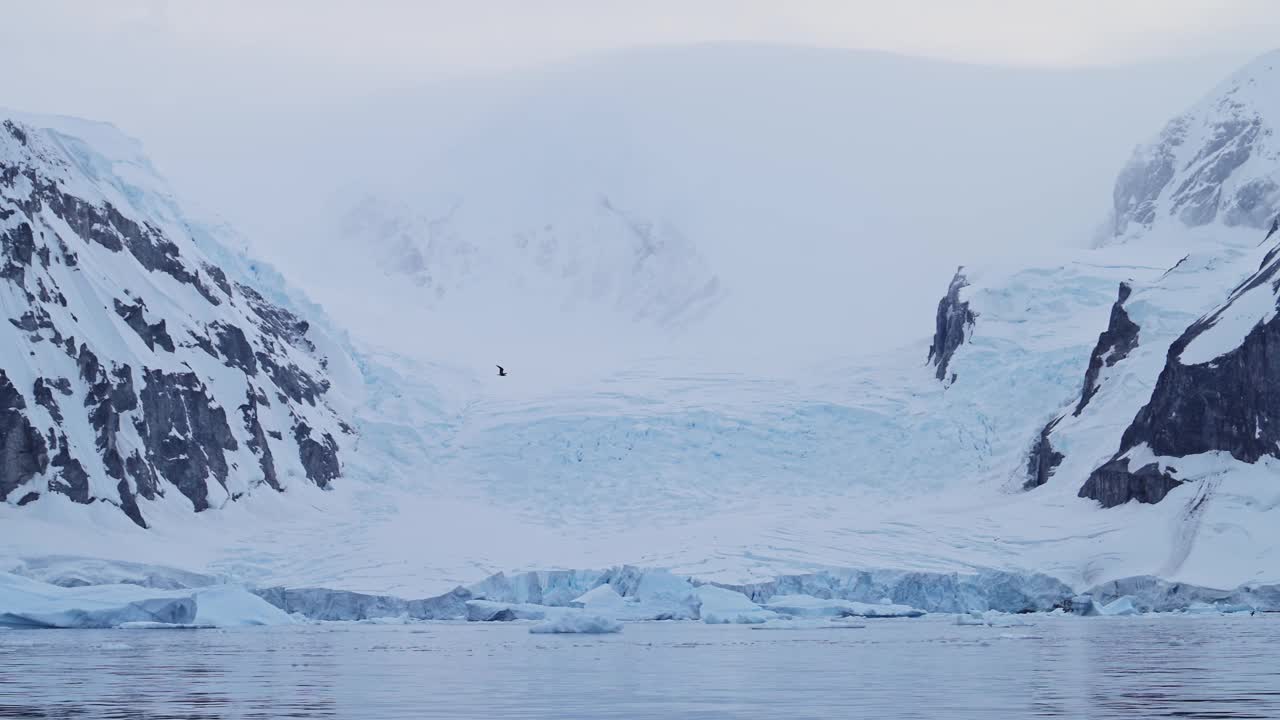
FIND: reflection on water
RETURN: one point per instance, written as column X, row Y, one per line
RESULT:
column 1185, row 667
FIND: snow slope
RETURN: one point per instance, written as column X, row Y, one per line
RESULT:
column 141, row 363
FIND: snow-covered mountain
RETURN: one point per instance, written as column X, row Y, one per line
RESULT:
column 141, row 362
column 1219, row 161
column 1049, row 396
column 596, row 255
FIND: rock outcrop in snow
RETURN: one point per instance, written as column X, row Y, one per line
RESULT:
column 1043, row 459
column 954, row 319
column 1217, row 392
column 136, row 365
column 1114, row 344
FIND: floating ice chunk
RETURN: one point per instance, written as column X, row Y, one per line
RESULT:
column 719, row 606
column 663, row 596
column 231, row 606
column 604, row 599
column 808, row 606
column 30, row 603
column 1118, row 607
column 113, row 646
column 577, row 622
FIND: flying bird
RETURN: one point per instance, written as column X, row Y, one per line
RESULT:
column 501, row 372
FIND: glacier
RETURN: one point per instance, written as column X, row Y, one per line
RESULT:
column 1027, row 454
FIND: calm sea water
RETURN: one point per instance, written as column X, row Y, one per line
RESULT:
column 1185, row 667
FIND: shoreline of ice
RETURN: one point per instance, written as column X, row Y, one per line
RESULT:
column 73, row 592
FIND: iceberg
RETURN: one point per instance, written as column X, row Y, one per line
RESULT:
column 577, row 622
column 30, row 603
column 720, row 606
column 1119, row 607
column 604, row 599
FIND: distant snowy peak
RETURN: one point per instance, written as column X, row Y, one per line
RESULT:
column 1218, row 162
column 138, row 362
column 590, row 255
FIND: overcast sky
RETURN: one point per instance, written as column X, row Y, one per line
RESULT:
column 388, row 41
column 246, row 104
column 131, row 61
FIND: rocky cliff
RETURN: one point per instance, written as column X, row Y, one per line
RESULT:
column 135, row 367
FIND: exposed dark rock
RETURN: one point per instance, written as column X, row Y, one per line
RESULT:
column 1114, row 484
column 319, row 459
column 204, row 344
column 257, row 440
column 109, row 228
column 219, row 278
column 144, row 476
column 69, row 258
column 129, row 504
column 34, row 321
column 1198, row 198
column 17, row 132
column 1114, row 344
column 88, row 364
column 152, row 334
column 293, row 381
column 1143, row 180
column 1043, row 459
column 107, row 398
column 277, row 321
column 1252, row 205
column 28, row 498
column 44, row 398
column 953, row 320
column 185, row 432
column 72, row 480
column 235, row 348
column 23, row 452
column 19, row 246
column 27, row 322
column 1231, row 404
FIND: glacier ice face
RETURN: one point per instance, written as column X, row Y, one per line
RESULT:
column 718, row 474
column 327, row 604
column 806, row 606
column 930, row 592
